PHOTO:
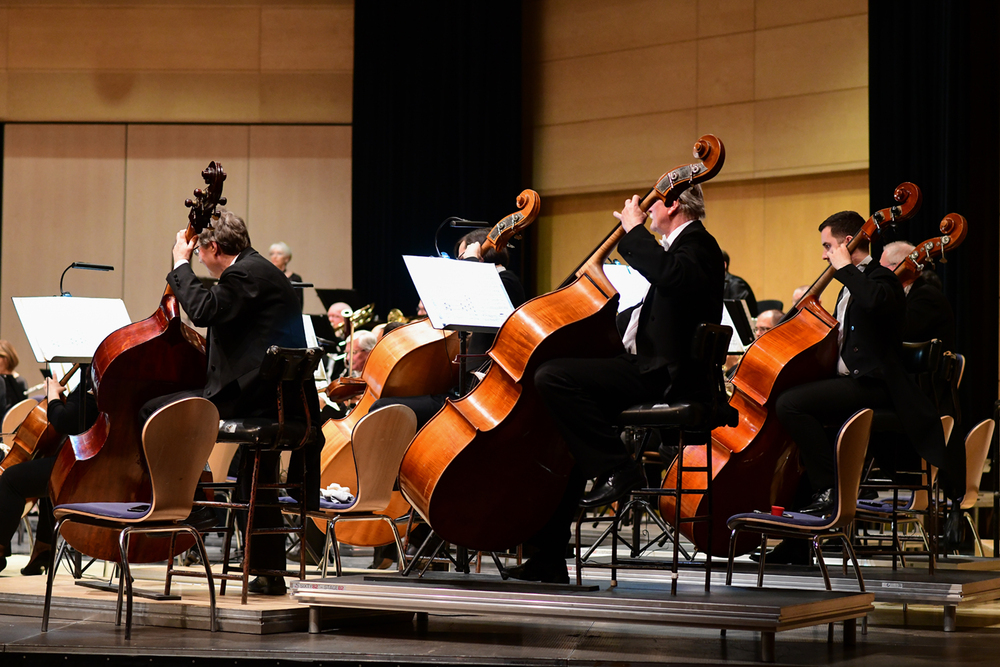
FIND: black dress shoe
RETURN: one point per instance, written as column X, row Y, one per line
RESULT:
column 788, row 552
column 823, row 503
column 265, row 585
column 202, row 519
column 953, row 528
column 540, row 568
column 621, row 480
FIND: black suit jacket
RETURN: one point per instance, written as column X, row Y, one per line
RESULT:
column 872, row 338
column 928, row 314
column 252, row 307
column 686, row 284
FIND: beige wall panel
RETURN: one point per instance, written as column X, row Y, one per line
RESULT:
column 133, row 96
column 813, row 133
column 63, row 202
column 300, row 193
column 772, row 13
column 320, row 97
column 724, row 17
column 305, row 39
column 623, row 83
column 4, row 22
column 793, row 209
column 569, row 230
column 726, row 69
column 619, row 153
column 812, row 58
column 734, row 214
column 135, row 38
column 163, row 169
column 734, row 125
column 571, row 28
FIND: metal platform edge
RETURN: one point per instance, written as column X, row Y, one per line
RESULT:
column 755, row 611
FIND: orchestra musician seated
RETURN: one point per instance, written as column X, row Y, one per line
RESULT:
column 68, row 415
column 585, row 396
column 767, row 321
column 928, row 313
column 280, row 255
column 251, row 307
column 870, row 374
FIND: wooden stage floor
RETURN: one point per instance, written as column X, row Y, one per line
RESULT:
column 84, row 630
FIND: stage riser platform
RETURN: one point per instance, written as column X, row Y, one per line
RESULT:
column 765, row 611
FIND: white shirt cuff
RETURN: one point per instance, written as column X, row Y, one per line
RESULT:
column 180, row 261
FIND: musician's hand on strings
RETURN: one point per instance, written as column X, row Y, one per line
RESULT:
column 183, row 249
column 839, row 255
column 53, row 390
column 631, row 216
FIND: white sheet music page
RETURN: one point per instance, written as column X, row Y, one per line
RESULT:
column 66, row 328
column 631, row 286
column 459, row 294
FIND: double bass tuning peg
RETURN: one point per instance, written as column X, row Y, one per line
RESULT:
column 222, row 201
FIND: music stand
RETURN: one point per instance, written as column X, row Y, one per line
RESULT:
column 737, row 315
column 631, row 284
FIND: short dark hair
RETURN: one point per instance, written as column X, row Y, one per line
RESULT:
column 492, row 256
column 229, row 231
column 844, row 224
column 725, row 259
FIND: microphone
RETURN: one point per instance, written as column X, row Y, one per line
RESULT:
column 468, row 224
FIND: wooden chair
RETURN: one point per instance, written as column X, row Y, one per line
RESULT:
column 11, row 420
column 977, row 444
column 176, row 442
column 852, row 442
column 379, row 441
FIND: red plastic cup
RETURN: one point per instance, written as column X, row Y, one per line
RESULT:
column 777, row 510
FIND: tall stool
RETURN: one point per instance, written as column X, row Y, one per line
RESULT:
column 291, row 369
column 710, row 345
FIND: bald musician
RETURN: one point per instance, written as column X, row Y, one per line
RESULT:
column 928, row 313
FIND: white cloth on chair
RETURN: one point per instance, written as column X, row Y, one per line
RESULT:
column 337, row 493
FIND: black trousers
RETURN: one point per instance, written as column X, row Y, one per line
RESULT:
column 811, row 412
column 17, row 483
column 584, row 397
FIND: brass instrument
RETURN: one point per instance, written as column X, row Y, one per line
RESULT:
column 356, row 318
column 396, row 315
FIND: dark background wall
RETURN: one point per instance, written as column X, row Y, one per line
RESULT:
column 437, row 132
column 934, row 118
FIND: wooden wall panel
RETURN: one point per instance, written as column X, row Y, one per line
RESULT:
column 837, row 58
column 581, row 27
column 772, row 13
column 164, row 163
column 800, row 67
column 617, row 84
column 141, row 61
column 300, row 193
column 600, row 155
column 64, row 196
column 139, row 38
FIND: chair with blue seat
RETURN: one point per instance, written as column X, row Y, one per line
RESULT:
column 852, row 443
column 176, row 442
column 378, row 441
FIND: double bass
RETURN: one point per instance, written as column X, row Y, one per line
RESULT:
column 953, row 229
column 489, row 469
column 755, row 464
column 146, row 359
column 412, row 360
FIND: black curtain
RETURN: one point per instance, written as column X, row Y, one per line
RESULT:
column 934, row 114
column 436, row 132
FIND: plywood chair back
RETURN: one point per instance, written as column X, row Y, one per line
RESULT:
column 852, row 444
column 220, row 459
column 13, row 418
column 977, row 444
column 379, row 441
column 177, row 441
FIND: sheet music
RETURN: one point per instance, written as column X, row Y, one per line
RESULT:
column 68, row 329
column 631, row 285
column 460, row 294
